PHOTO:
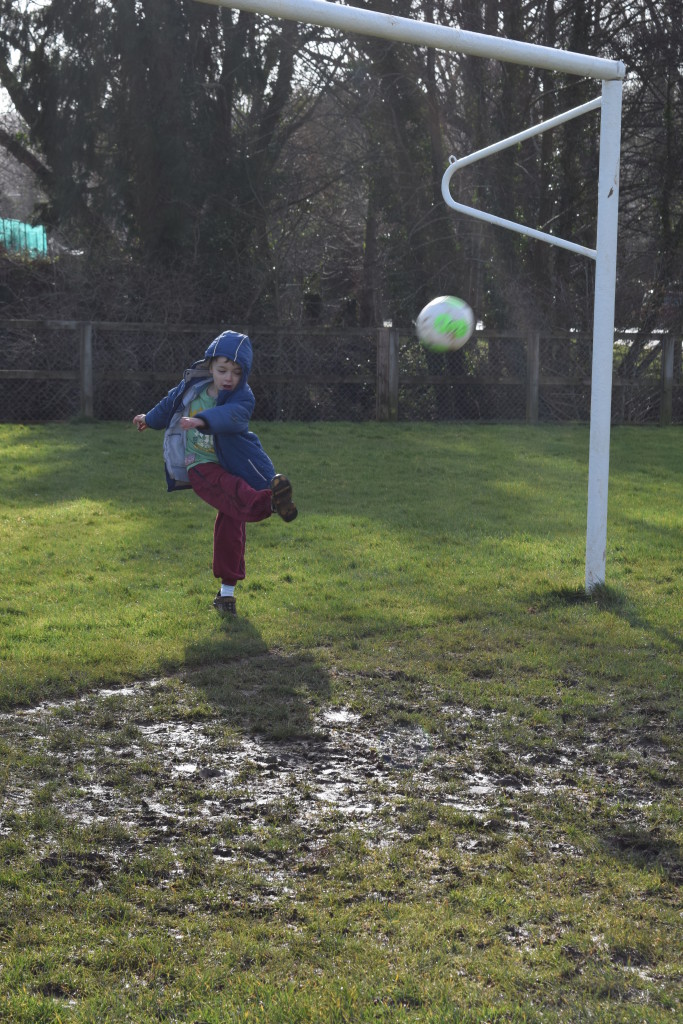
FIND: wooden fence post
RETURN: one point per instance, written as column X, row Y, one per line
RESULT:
column 667, row 389
column 533, row 363
column 86, row 374
column 387, row 374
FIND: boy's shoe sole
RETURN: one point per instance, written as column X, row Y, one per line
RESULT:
column 282, row 498
column 225, row 605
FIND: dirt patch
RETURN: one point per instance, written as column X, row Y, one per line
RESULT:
column 161, row 769
column 184, row 773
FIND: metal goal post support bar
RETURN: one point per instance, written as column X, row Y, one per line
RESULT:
column 514, row 140
column 611, row 73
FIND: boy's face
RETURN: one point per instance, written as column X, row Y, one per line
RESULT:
column 226, row 374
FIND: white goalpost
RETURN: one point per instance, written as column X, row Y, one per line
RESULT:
column 611, row 74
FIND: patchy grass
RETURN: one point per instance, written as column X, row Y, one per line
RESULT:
column 422, row 777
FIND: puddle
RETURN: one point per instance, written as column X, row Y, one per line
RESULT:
column 188, row 779
column 339, row 716
column 165, row 780
column 45, row 708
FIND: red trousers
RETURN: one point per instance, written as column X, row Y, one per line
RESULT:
column 237, row 504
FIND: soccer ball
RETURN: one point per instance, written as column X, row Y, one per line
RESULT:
column 445, row 324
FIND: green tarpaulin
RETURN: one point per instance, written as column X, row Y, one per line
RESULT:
column 16, row 236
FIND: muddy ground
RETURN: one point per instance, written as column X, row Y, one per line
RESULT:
column 148, row 765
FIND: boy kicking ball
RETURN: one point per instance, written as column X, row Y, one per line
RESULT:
column 208, row 447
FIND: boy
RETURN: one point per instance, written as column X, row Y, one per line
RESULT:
column 208, row 447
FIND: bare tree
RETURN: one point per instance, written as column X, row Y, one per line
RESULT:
column 213, row 162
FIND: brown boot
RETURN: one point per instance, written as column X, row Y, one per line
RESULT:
column 225, row 605
column 282, row 498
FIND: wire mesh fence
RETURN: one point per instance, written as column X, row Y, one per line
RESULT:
column 60, row 370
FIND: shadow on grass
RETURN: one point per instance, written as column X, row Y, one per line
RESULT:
column 606, row 599
column 256, row 689
column 644, row 848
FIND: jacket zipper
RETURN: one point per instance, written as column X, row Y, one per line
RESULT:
column 256, row 470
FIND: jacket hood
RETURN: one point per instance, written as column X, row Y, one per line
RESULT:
column 232, row 345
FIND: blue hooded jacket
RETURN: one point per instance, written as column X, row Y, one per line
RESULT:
column 238, row 449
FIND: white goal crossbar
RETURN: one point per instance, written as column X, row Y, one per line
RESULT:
column 611, row 73
column 426, row 33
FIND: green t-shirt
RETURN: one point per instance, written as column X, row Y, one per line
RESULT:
column 198, row 446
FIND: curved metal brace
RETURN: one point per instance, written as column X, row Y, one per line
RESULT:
column 513, row 140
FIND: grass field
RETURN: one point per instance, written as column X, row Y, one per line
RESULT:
column 421, row 778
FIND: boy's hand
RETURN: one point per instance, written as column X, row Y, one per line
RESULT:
column 140, row 421
column 191, row 422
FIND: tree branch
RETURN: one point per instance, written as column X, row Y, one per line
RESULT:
column 15, row 148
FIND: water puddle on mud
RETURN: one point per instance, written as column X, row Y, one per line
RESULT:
column 170, row 775
column 162, row 775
